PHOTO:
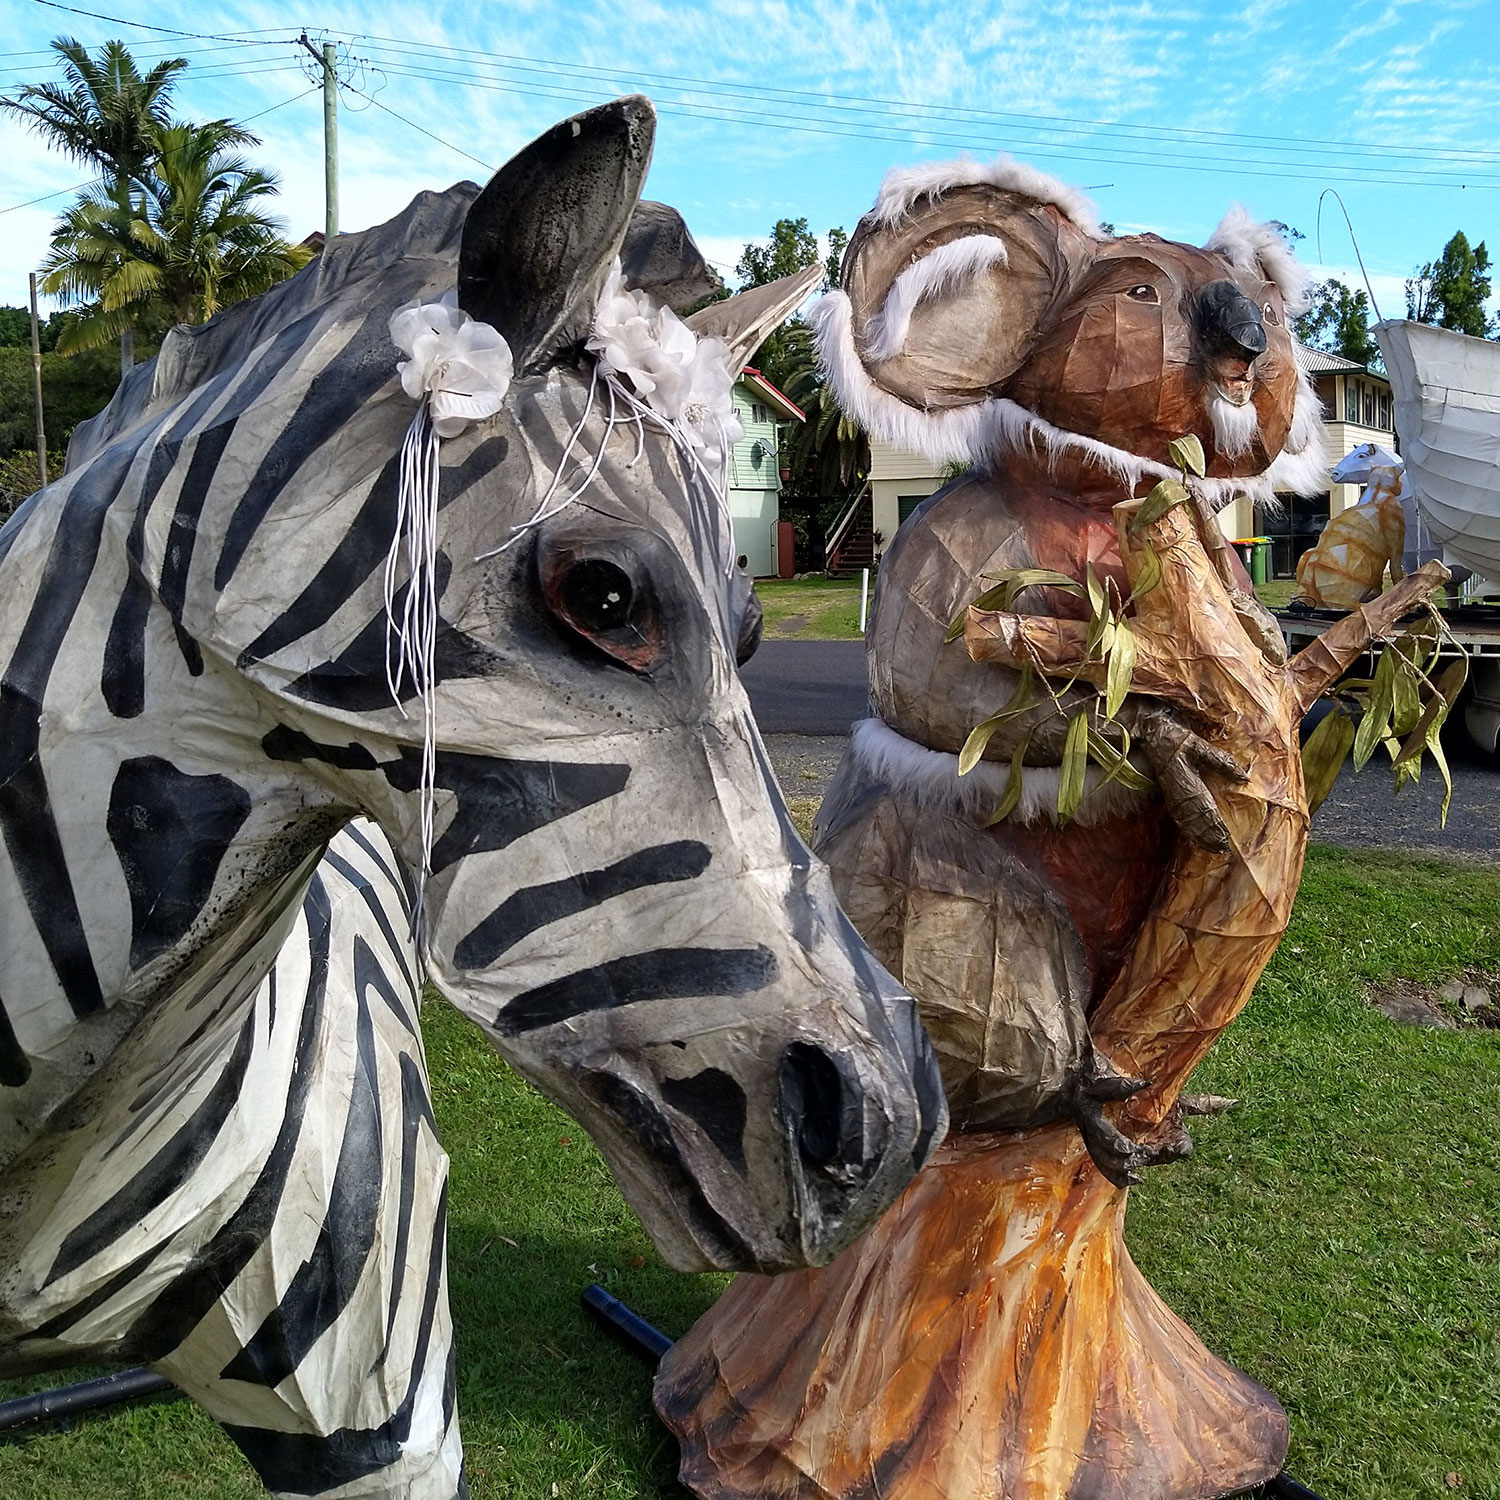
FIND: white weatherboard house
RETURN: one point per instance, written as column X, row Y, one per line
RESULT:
column 754, row 464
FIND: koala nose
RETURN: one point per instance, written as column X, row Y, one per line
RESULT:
column 1229, row 322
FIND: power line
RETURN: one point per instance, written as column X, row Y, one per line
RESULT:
column 1389, row 176
column 843, row 101
column 370, row 98
column 94, row 181
column 201, row 36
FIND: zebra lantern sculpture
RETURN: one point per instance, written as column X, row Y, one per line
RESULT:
column 216, row 1151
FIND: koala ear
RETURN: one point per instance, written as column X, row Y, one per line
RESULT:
column 945, row 286
column 1261, row 250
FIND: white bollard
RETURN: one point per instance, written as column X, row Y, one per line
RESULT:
column 864, row 597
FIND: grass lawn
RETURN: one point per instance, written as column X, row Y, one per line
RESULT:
column 811, row 609
column 1337, row 1235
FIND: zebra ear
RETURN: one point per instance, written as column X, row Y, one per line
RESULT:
column 744, row 320
column 539, row 241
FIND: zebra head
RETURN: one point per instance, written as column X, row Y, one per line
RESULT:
column 616, row 894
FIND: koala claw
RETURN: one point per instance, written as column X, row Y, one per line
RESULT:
column 1119, row 1157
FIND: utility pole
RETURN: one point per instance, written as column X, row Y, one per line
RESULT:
column 36, row 387
column 327, row 60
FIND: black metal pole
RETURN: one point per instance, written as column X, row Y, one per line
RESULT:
column 650, row 1343
column 87, row 1395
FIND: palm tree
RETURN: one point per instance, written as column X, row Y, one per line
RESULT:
column 109, row 115
column 190, row 238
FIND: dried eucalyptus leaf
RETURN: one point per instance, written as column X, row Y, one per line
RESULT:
column 1011, row 797
column 1323, row 755
column 1148, row 575
column 1075, row 763
column 1162, row 498
column 1375, row 723
column 979, row 737
column 1115, row 761
column 1121, row 669
column 1406, row 703
column 1187, row 453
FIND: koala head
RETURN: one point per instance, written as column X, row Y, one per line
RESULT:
column 982, row 312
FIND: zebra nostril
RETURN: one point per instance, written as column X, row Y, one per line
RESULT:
column 812, row 1102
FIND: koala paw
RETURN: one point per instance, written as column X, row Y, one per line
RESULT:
column 1118, row 1156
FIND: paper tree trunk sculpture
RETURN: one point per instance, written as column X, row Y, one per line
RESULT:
column 991, row 1337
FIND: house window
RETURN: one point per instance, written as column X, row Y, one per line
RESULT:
column 1385, row 410
column 1369, row 407
column 906, row 504
column 1351, row 400
column 758, row 413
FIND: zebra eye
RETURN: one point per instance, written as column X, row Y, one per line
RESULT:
column 599, row 599
column 597, row 595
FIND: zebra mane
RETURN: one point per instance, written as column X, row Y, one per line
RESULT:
column 429, row 227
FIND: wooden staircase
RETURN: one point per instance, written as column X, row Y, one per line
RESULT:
column 851, row 545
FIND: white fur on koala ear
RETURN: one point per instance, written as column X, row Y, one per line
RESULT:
column 1249, row 246
column 945, row 267
column 950, row 433
column 904, row 187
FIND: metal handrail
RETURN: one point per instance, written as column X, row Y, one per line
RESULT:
column 836, row 536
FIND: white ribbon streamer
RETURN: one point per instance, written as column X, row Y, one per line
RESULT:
column 459, row 371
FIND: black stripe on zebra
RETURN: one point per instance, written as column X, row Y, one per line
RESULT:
column 662, row 974
column 333, row 396
column 370, row 974
column 303, row 1463
column 170, row 830
column 416, row 1107
column 536, row 906
column 26, row 820
column 183, row 1305
column 379, row 915
column 166, row 1171
column 15, row 1066
column 501, row 800
column 322, row 1285
column 362, row 549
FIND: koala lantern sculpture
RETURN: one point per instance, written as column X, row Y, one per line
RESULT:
column 991, row 1338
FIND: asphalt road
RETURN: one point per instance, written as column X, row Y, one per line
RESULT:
column 806, row 687
column 805, row 694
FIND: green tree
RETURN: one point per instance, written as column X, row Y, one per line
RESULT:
column 192, row 238
column 107, row 114
column 1451, row 291
column 1338, row 322
column 792, row 246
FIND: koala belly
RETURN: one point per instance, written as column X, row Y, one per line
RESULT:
column 1007, row 936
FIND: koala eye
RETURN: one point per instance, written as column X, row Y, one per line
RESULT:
column 1269, row 313
column 1145, row 292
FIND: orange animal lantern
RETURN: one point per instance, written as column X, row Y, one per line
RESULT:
column 991, row 1339
column 1347, row 564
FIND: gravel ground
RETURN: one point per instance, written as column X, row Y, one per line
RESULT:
column 1361, row 813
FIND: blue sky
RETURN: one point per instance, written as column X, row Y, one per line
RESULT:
column 1168, row 111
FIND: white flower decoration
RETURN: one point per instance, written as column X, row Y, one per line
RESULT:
column 464, row 368
column 686, row 379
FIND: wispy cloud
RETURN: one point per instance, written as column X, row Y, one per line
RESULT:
column 1169, row 108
